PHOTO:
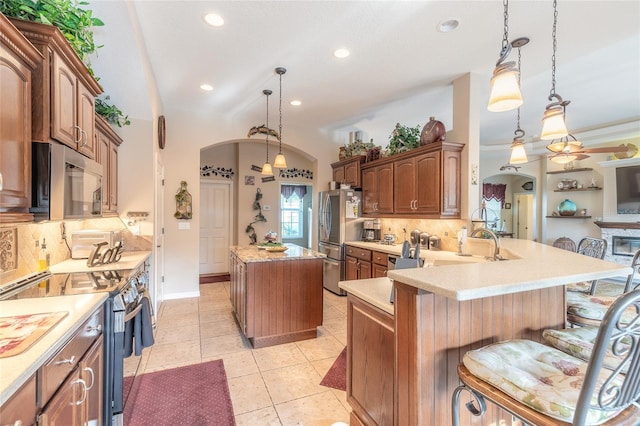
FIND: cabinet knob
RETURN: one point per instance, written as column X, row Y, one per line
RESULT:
column 91, row 328
column 69, row 361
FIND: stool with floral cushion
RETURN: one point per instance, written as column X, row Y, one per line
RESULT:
column 593, row 247
column 586, row 309
column 541, row 385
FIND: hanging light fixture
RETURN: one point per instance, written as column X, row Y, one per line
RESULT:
column 266, row 168
column 553, row 122
column 280, row 162
column 505, row 90
column 518, row 153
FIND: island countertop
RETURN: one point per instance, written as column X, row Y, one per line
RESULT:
column 251, row 254
column 531, row 266
column 16, row 370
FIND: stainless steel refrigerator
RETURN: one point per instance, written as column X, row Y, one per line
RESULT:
column 339, row 217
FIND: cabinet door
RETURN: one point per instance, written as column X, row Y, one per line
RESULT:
column 63, row 103
column 113, row 178
column 85, row 120
column 370, row 359
column 352, row 174
column 385, row 178
column 103, row 143
column 338, row 174
column 369, row 190
column 64, row 408
column 92, row 374
column 451, row 164
column 378, row 271
column 428, row 180
column 351, row 268
column 15, row 135
column 404, row 186
column 364, row 270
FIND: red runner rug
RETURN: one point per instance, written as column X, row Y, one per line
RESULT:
column 193, row 395
column 336, row 377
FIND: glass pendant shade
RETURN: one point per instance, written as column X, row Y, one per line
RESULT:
column 518, row 153
column 505, row 90
column 267, row 170
column 563, row 159
column 280, row 162
column 553, row 126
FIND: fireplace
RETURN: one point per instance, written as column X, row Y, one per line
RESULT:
column 624, row 246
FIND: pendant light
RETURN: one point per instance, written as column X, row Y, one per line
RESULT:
column 553, row 122
column 280, row 162
column 518, row 153
column 505, row 90
column 266, row 168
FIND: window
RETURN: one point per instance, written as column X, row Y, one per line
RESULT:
column 292, row 216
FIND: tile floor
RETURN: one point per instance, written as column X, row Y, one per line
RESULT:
column 278, row 385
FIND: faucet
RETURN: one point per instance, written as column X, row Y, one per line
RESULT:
column 496, row 240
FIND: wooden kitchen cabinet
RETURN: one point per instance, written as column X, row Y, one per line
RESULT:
column 348, row 171
column 377, row 189
column 63, row 92
column 370, row 362
column 108, row 142
column 357, row 263
column 21, row 408
column 380, row 264
column 238, row 291
column 18, row 59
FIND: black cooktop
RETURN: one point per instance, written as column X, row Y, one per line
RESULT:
column 68, row 284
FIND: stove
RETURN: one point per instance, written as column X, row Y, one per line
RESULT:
column 126, row 288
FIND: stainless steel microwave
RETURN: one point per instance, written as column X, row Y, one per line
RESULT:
column 65, row 183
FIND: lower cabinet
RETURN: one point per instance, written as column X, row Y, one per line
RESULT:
column 380, row 262
column 21, row 408
column 370, row 363
column 357, row 263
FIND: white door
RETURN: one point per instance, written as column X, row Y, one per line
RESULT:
column 215, row 226
column 523, row 216
column 157, row 291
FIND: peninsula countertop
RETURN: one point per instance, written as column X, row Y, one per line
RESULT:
column 253, row 253
column 531, row 266
column 16, row 370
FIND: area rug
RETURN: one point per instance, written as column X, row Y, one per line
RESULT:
column 193, row 395
column 336, row 377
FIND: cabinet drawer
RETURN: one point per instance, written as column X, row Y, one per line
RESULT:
column 54, row 371
column 21, row 407
column 359, row 253
column 380, row 258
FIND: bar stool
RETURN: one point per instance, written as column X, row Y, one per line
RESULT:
column 541, row 385
column 593, row 247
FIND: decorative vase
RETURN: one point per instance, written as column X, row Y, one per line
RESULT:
column 183, row 203
column 433, row 131
column 342, row 153
column 567, row 208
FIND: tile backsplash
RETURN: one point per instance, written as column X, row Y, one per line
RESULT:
column 19, row 251
column 447, row 230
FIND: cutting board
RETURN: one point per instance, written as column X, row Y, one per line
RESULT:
column 19, row 332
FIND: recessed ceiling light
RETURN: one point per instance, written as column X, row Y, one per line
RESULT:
column 295, row 103
column 206, row 87
column 214, row 19
column 341, row 53
column 448, row 25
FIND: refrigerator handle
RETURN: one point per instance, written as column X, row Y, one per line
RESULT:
column 328, row 215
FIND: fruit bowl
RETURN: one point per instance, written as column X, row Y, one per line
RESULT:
column 279, row 248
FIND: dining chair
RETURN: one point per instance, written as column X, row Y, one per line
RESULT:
column 593, row 247
column 588, row 310
column 544, row 386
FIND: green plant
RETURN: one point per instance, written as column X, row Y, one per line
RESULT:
column 111, row 112
column 403, row 138
column 75, row 23
column 358, row 147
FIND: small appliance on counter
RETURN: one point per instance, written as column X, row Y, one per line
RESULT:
column 83, row 242
column 434, row 242
column 371, row 230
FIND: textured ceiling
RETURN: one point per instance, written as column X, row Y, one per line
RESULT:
column 399, row 60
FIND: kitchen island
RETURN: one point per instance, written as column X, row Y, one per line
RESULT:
column 439, row 313
column 276, row 296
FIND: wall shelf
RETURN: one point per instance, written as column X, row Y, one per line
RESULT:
column 578, row 189
column 568, row 217
column 558, row 172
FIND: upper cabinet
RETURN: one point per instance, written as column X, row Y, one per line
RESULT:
column 423, row 182
column 107, row 142
column 348, row 171
column 18, row 58
column 63, row 102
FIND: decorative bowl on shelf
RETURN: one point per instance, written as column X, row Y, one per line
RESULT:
column 567, row 208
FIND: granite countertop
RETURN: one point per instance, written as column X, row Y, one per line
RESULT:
column 129, row 260
column 531, row 266
column 17, row 369
column 250, row 254
column 375, row 291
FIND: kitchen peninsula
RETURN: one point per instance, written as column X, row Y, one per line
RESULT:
column 413, row 347
column 276, row 296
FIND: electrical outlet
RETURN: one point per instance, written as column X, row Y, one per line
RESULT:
column 266, row 207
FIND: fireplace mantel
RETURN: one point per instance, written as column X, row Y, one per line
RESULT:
column 618, row 225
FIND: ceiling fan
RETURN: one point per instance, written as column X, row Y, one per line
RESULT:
column 569, row 149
